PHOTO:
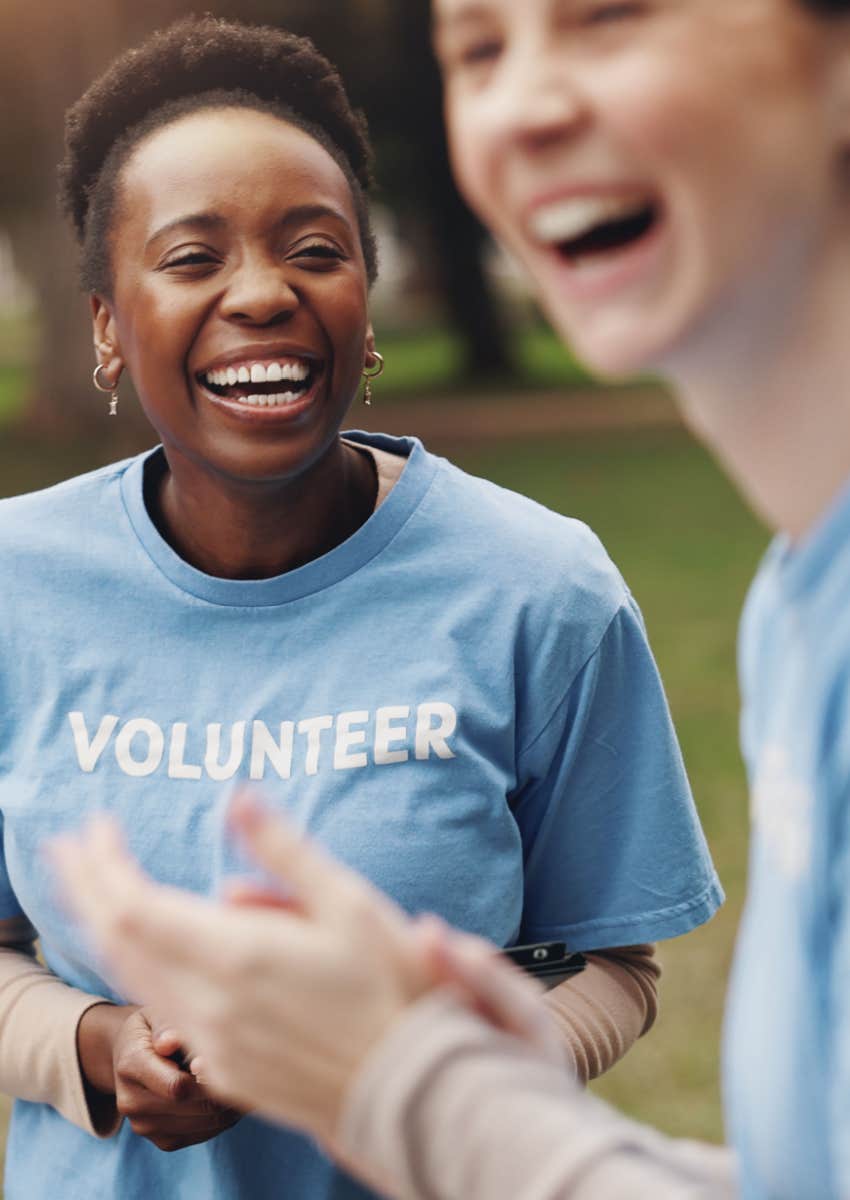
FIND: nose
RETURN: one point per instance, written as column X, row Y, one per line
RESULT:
column 544, row 102
column 260, row 292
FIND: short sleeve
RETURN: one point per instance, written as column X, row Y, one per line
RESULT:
column 614, row 853
column 9, row 906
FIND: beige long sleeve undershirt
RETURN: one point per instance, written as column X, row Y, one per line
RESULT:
column 603, row 1011
column 39, row 1016
column 447, row 1108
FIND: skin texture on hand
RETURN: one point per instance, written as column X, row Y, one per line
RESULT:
column 122, row 1056
column 282, row 1001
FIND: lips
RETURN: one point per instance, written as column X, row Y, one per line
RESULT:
column 278, row 382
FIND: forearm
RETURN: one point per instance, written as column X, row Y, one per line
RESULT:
column 39, row 1019
column 96, row 1032
column 528, row 1132
column 604, row 1010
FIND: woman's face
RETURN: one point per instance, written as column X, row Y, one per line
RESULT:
column 239, row 292
column 663, row 168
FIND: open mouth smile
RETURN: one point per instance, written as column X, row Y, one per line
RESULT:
column 587, row 229
column 280, row 383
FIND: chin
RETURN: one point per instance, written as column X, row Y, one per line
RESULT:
column 609, row 357
column 618, row 346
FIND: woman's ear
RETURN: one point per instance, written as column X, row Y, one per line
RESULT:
column 370, row 346
column 106, row 344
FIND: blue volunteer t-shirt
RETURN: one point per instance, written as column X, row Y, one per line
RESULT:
column 787, row 1038
column 459, row 701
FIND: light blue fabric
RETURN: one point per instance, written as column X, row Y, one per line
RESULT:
column 485, row 737
column 787, row 1038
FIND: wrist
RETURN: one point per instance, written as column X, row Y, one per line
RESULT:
column 97, row 1030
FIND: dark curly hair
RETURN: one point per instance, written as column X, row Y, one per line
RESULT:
column 194, row 64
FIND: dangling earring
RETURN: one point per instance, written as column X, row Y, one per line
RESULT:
column 105, row 387
column 370, row 375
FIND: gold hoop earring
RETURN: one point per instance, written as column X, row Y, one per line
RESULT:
column 112, row 389
column 370, row 375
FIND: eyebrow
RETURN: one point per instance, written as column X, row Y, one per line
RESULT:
column 467, row 14
column 207, row 221
column 203, row 221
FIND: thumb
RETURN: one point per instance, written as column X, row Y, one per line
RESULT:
column 166, row 1041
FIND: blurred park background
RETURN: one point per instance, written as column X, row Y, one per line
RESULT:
column 472, row 369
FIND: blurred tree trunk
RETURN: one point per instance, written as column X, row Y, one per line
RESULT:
column 383, row 49
column 457, row 237
column 46, row 63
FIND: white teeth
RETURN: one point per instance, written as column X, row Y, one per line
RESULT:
column 295, row 370
column 565, row 220
column 278, row 400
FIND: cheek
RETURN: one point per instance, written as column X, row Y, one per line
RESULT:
column 156, row 331
column 655, row 114
column 345, row 318
column 476, row 140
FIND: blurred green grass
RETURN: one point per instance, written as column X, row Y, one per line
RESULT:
column 430, row 362
column 13, row 383
column 688, row 548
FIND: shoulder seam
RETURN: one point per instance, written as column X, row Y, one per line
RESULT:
column 566, row 693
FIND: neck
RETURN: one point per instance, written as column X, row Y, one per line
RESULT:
column 236, row 529
column 775, row 405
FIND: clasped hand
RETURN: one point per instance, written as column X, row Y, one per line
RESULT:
column 124, row 1052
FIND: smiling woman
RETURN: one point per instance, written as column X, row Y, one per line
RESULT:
column 261, row 597
column 260, row 274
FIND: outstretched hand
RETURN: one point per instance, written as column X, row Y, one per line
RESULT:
column 282, row 1001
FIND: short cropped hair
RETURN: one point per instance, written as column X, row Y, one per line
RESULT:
column 195, row 64
column 827, row 8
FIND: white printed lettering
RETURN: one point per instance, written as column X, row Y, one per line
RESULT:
column 217, row 770
column 346, row 737
column 313, row 727
column 139, row 727
column 386, row 733
column 88, row 752
column 391, row 734
column 178, row 768
column 436, row 738
column 279, row 754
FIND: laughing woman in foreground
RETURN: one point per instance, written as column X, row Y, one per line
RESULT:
column 448, row 685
